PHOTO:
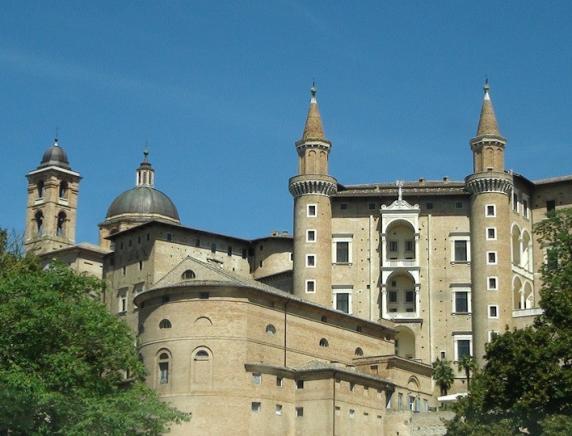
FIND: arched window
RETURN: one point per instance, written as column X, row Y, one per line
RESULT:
column 40, row 188
column 165, row 324
column 39, row 221
column 188, row 275
column 359, row 352
column 201, row 367
column 60, row 229
column 164, row 362
column 270, row 330
column 202, row 355
column 324, row 343
column 63, row 189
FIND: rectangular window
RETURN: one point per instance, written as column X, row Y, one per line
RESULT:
column 169, row 237
column 459, row 204
column 299, row 384
column 278, row 409
column 491, row 257
column 163, row 373
column 204, row 295
column 493, row 311
column 352, row 413
column 312, row 210
column 463, row 348
column 342, row 252
column 461, row 302
column 410, row 246
column 492, row 284
column 409, row 296
column 399, row 401
column 256, row 378
column 429, row 205
column 343, row 206
column 525, row 208
column 256, row 406
column 392, row 246
column 310, row 286
column 279, row 382
column 342, row 300
column 490, row 210
column 229, row 251
column 515, row 202
column 122, row 304
column 299, row 412
column 311, row 260
column 310, row 236
column 491, row 233
column 461, row 252
column 550, row 207
column 392, row 296
column 371, row 206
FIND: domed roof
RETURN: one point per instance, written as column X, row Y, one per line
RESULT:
column 55, row 156
column 143, row 200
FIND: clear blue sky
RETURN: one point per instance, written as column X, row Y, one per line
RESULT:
column 220, row 92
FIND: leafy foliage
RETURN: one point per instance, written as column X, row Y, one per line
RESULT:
column 64, row 360
column 467, row 364
column 443, row 375
column 526, row 384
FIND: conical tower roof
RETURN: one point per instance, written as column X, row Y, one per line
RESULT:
column 488, row 125
column 313, row 129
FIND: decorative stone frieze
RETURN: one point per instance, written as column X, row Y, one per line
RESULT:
column 489, row 182
column 312, row 184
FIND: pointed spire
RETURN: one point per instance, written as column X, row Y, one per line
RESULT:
column 313, row 128
column 487, row 122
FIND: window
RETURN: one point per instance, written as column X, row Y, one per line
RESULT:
column 400, row 401
column 256, row 378
column 310, row 286
column 169, row 237
column 213, row 247
column 429, row 205
column 299, row 412
column 490, row 210
column 525, row 208
column 278, row 409
column 311, row 260
column 462, row 302
column 123, row 270
column 312, row 210
column 443, row 355
column 515, row 202
column 461, row 253
column 550, row 207
column 256, row 406
column 358, row 352
column 63, row 191
column 352, row 413
column 392, row 296
column 60, row 229
column 409, row 296
column 140, row 265
column 463, row 346
column 165, row 324
column 493, row 311
column 341, row 248
column 410, row 246
column 342, row 300
column 164, row 368
column 204, row 295
column 202, row 355
column 324, row 343
column 459, row 205
column 491, row 257
column 279, row 382
column 492, row 334
column 392, row 246
column 491, row 233
column 229, row 250
column 492, row 284
column 40, row 189
column 270, row 330
column 39, row 220
column 188, row 275
column 310, row 236
column 299, row 384
column 122, row 301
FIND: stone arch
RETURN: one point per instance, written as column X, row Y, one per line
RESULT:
column 40, row 189
column 324, row 343
column 515, row 244
column 526, row 250
column 528, row 295
column 188, row 274
column 323, row 162
column 311, row 162
column 39, row 223
column 405, row 342
column 413, row 384
column 358, row 352
column 270, row 330
column 490, row 157
column 517, row 293
column 63, row 189
column 203, row 321
column 202, row 366
column 401, row 296
column 164, row 362
column 165, row 324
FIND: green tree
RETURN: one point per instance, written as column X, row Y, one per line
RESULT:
column 526, row 384
column 468, row 365
column 67, row 366
column 443, row 375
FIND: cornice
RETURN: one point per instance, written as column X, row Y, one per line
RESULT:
column 312, row 184
column 489, row 182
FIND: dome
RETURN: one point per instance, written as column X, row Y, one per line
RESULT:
column 55, row 156
column 143, row 200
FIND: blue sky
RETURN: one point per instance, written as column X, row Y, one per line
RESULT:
column 219, row 90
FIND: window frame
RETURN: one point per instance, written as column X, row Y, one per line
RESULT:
column 307, row 260
column 496, row 257
column 310, row 215
column 342, row 290
column 343, row 238
column 494, row 214
column 456, row 339
column 496, row 288
column 489, row 307
column 460, row 238
column 315, row 234
column 494, row 229
column 454, row 302
column 306, row 287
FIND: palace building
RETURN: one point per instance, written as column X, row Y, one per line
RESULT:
column 330, row 330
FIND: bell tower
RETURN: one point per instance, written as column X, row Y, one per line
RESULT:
column 490, row 187
column 51, row 212
column 311, row 189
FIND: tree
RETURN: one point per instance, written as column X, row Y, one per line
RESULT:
column 443, row 375
column 526, row 384
column 67, row 366
column 468, row 365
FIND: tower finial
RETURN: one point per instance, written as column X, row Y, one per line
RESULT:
column 146, row 152
column 313, row 92
column 56, row 139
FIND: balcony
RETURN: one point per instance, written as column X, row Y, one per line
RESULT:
column 400, row 263
column 519, row 313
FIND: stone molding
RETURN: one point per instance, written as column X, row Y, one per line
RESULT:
column 489, row 182
column 312, row 184
column 321, row 144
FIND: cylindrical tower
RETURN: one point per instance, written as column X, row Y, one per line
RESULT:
column 312, row 188
column 490, row 187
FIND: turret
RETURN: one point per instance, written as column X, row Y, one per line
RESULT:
column 490, row 187
column 311, row 189
column 51, row 213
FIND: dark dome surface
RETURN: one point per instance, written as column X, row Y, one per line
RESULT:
column 55, row 156
column 143, row 200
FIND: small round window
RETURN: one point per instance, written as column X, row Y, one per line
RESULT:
column 188, row 275
column 324, row 343
column 165, row 324
column 270, row 330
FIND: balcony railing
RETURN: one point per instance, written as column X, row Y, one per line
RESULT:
column 400, row 263
column 518, row 313
column 402, row 315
